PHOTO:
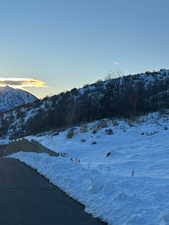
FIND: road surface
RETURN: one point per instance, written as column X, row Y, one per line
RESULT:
column 26, row 198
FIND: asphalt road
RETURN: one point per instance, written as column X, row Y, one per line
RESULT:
column 26, row 198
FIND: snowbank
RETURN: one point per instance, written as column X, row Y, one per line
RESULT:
column 115, row 199
column 123, row 178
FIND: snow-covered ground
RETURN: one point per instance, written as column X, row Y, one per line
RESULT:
column 123, row 177
column 4, row 141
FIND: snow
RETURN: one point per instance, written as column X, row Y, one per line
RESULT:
column 12, row 97
column 4, row 141
column 128, row 187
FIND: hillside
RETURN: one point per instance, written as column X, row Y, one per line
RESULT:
column 121, row 97
column 11, row 98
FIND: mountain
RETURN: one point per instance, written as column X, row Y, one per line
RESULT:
column 126, row 96
column 11, row 98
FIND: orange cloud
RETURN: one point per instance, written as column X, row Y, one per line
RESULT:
column 21, row 82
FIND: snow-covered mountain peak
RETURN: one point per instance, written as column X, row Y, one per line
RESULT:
column 11, row 98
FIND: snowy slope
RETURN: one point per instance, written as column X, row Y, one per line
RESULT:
column 123, row 178
column 11, row 97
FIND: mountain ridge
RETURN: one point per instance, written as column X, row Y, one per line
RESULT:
column 120, row 97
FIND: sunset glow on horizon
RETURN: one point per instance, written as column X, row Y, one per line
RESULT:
column 71, row 43
column 21, row 82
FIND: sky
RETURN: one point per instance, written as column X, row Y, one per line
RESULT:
column 69, row 43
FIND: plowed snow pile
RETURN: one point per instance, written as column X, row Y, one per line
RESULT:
column 118, row 169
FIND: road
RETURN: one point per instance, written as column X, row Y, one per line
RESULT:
column 26, row 198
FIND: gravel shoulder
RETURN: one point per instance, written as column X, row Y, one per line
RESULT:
column 24, row 146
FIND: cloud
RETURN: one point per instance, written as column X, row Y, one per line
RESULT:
column 21, row 82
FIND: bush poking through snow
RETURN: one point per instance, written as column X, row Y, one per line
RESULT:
column 94, row 131
column 115, row 123
column 123, row 128
column 132, row 173
column 75, row 160
column 83, row 140
column 102, row 124
column 94, row 142
column 84, row 129
column 70, row 133
column 130, row 121
column 149, row 133
column 109, row 131
column 62, row 154
column 108, row 154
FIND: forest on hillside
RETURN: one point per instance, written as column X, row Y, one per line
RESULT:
column 126, row 96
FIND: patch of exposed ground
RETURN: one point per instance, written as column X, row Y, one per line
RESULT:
column 24, row 145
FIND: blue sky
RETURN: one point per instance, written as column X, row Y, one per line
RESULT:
column 68, row 43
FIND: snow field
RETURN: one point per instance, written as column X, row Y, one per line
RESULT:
column 128, row 186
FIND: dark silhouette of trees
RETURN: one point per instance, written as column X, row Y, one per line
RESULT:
column 121, row 97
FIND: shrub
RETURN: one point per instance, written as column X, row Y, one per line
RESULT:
column 62, row 154
column 70, row 133
column 108, row 154
column 94, row 142
column 102, row 124
column 83, row 129
column 115, row 123
column 83, row 140
column 109, row 131
column 130, row 121
column 150, row 133
column 94, row 131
